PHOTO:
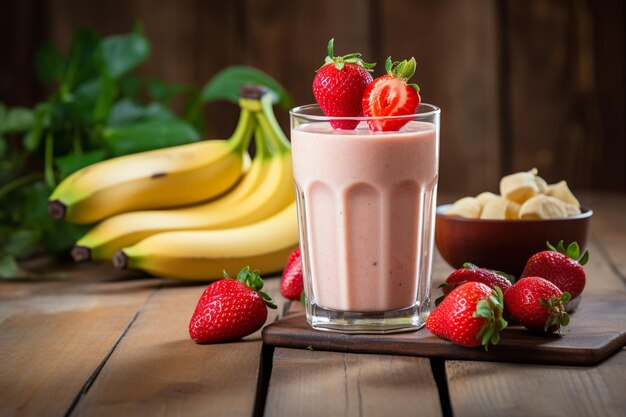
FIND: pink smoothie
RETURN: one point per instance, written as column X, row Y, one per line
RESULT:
column 368, row 202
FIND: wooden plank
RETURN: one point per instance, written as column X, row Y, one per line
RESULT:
column 311, row 383
column 157, row 370
column 494, row 389
column 455, row 43
column 55, row 335
column 567, row 90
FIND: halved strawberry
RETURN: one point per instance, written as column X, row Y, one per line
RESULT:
column 390, row 95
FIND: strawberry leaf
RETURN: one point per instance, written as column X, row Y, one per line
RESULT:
column 469, row 265
column 438, row 300
column 584, row 259
column 560, row 247
column 552, row 248
column 573, row 251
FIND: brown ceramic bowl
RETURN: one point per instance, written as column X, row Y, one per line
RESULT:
column 504, row 245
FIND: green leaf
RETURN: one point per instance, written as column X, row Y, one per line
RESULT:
column 163, row 92
column 106, row 96
column 17, row 119
column 226, row 84
column 155, row 111
column 20, row 242
column 89, row 91
column 71, row 163
column 152, row 134
column 130, row 86
column 49, row 64
column 551, row 247
column 81, row 65
column 243, row 274
column 42, row 120
column 573, row 251
column 124, row 112
column 584, row 259
column 565, row 297
column 3, row 147
column 8, row 266
column 121, row 53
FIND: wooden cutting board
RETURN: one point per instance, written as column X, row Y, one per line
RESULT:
column 597, row 329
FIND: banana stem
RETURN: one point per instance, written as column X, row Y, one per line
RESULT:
column 262, row 147
column 240, row 138
column 270, row 125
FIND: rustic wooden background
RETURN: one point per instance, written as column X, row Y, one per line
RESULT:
column 521, row 84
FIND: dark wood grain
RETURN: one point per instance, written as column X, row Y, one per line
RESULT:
column 54, row 336
column 157, row 370
column 563, row 120
column 479, row 389
column 311, row 383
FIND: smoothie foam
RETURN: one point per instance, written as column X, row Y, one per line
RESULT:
column 366, row 198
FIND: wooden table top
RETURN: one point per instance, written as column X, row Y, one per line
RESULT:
column 101, row 343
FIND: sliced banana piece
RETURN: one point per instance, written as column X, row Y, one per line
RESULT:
column 483, row 198
column 500, row 208
column 520, row 186
column 572, row 209
column 542, row 185
column 561, row 191
column 542, row 207
column 465, row 207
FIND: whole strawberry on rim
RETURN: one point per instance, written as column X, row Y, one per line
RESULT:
column 563, row 267
column 537, row 304
column 339, row 84
column 391, row 96
column 471, row 315
column 230, row 308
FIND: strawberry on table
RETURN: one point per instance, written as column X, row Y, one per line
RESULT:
column 563, row 267
column 291, row 283
column 471, row 315
column 472, row 273
column 230, row 308
column 537, row 304
column 391, row 95
column 339, row 85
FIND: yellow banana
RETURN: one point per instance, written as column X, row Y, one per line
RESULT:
column 155, row 179
column 265, row 190
column 203, row 255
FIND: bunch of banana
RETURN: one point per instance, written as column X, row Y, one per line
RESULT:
column 253, row 223
column 523, row 195
column 161, row 178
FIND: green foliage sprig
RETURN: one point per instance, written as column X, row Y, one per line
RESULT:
column 98, row 109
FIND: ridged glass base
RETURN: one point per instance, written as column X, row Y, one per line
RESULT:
column 404, row 320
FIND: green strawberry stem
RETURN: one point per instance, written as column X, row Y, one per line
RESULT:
column 556, row 308
column 572, row 251
column 341, row 61
column 253, row 281
column 402, row 70
column 490, row 309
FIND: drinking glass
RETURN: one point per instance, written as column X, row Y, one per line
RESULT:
column 366, row 203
